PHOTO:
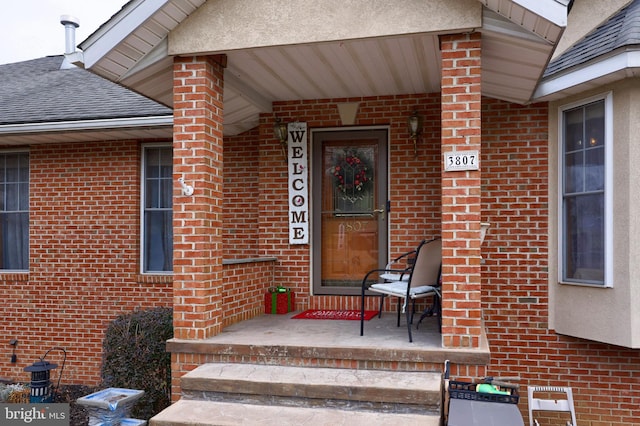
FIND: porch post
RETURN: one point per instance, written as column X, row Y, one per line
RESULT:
column 461, row 102
column 197, row 218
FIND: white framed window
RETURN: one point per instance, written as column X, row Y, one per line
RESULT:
column 585, row 157
column 157, row 209
column 14, row 211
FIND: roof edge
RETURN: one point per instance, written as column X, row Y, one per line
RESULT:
column 545, row 18
column 553, row 11
column 84, row 125
column 120, row 26
column 625, row 60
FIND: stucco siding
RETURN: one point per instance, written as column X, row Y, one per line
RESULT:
column 224, row 25
column 596, row 313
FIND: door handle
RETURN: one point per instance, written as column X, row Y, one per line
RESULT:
column 379, row 211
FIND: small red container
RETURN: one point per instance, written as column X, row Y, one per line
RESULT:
column 279, row 300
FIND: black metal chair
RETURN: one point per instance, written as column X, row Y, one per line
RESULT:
column 417, row 281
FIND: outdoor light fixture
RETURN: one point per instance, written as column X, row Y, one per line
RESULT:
column 40, row 381
column 187, row 190
column 14, row 357
column 280, row 133
column 41, row 387
column 415, row 127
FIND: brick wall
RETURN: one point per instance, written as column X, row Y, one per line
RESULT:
column 514, row 185
column 243, row 290
column 84, row 258
column 240, row 213
column 604, row 378
column 85, row 247
column 414, row 183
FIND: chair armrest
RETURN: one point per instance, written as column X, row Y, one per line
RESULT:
column 396, row 276
column 400, row 272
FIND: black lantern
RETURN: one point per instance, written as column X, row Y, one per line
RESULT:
column 41, row 389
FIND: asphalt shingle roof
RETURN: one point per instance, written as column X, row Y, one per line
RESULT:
column 38, row 91
column 623, row 29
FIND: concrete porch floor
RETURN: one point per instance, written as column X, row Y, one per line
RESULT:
column 339, row 339
column 378, row 332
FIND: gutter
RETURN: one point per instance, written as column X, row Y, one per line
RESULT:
column 553, row 11
column 87, row 125
column 627, row 61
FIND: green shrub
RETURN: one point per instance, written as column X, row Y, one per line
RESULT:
column 135, row 357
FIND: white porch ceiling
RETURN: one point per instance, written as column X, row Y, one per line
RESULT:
column 517, row 43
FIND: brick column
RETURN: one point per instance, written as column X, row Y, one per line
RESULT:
column 461, row 100
column 197, row 219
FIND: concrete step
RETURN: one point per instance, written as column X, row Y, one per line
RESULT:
column 205, row 413
column 373, row 390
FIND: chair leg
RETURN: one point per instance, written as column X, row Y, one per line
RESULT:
column 382, row 296
column 362, row 312
column 438, row 310
column 428, row 312
column 399, row 308
column 409, row 316
column 413, row 310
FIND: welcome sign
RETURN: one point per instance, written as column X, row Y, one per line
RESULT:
column 298, row 183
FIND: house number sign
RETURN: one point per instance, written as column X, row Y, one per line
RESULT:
column 298, row 183
column 461, row 160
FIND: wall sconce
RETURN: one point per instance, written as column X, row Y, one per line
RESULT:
column 415, row 128
column 14, row 357
column 280, row 133
column 187, row 190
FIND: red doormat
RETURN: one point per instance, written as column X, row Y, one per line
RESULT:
column 334, row 315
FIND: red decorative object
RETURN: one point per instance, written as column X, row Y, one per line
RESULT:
column 279, row 300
